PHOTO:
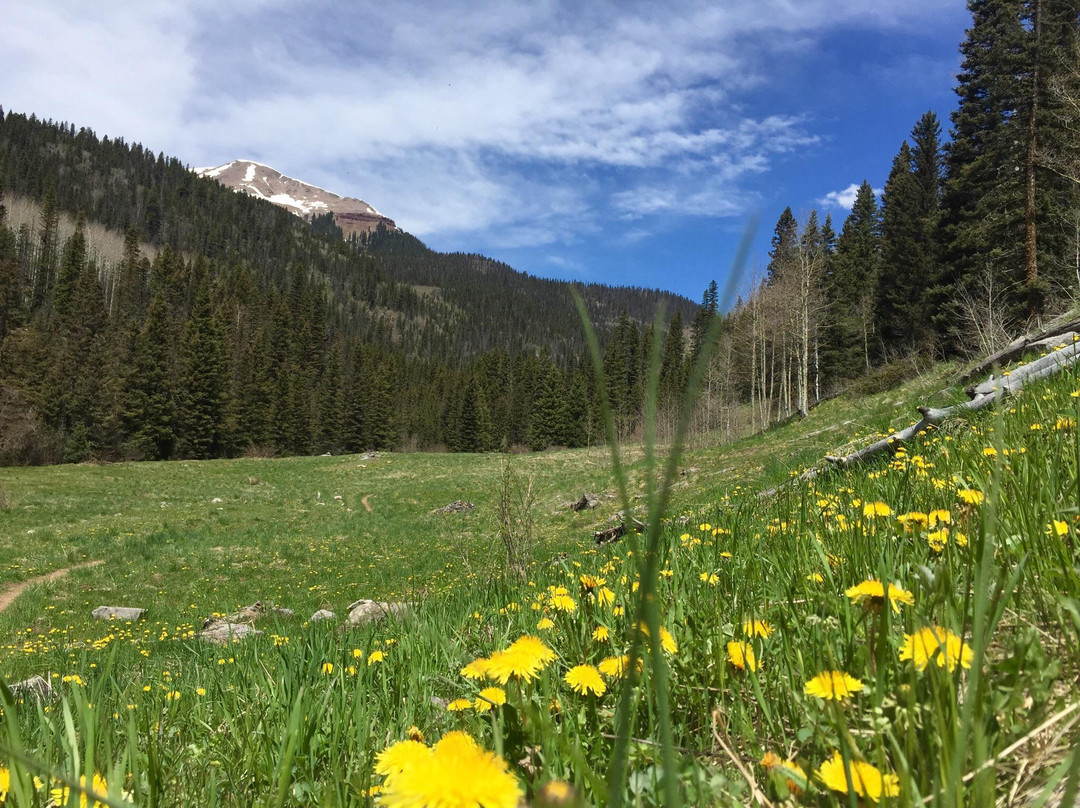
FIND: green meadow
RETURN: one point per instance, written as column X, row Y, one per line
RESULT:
column 786, row 679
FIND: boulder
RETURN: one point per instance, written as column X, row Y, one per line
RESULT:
column 118, row 613
column 458, row 506
column 322, row 614
column 223, row 632
column 364, row 612
column 587, row 502
column 248, row 614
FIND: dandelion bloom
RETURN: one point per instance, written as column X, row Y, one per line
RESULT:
column 793, row 773
column 710, row 578
column 667, row 642
column 913, row 519
column 456, row 773
column 585, row 679
column 459, row 705
column 835, row 685
column 523, row 659
column 591, row 582
column 615, row 666
column 877, row 509
column 601, row 633
column 477, row 669
column 545, row 624
column 971, row 496
column 934, row 641
column 328, row 668
column 562, row 602
column 757, row 628
column 375, row 656
column 939, row 516
column 61, row 795
column 413, row 733
column 489, row 698
column 741, row 655
column 1057, row 528
column 604, row 596
column 873, row 592
column 866, row 780
column 555, row 793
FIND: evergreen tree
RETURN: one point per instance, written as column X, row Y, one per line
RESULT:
column 852, row 283
column 902, row 282
column 673, row 370
column 703, row 318
column 200, row 411
column 10, row 288
column 550, row 425
column 785, row 245
column 149, row 410
column 44, row 267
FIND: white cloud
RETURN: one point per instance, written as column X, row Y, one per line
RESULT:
column 845, row 198
column 528, row 122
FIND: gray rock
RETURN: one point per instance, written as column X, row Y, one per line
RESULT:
column 364, row 612
column 35, row 686
column 281, row 611
column 458, row 506
column 223, row 632
column 118, row 613
column 322, row 614
column 587, row 502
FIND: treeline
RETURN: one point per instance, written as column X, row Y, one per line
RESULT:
column 974, row 240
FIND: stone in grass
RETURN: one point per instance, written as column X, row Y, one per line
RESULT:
column 322, row 614
column 223, row 632
column 363, row 612
column 458, row 506
column 36, row 686
column 118, row 613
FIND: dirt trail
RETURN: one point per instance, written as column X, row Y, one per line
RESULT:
column 9, row 592
column 366, row 504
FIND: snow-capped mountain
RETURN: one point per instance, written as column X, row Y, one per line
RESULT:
column 262, row 181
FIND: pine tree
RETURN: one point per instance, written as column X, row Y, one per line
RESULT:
column 44, row 267
column 149, row 410
column 551, row 419
column 785, row 243
column 854, row 271
column 200, row 412
column 900, row 305
column 703, row 318
column 673, row 370
column 10, row 288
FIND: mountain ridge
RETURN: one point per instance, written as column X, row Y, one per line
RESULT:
column 351, row 215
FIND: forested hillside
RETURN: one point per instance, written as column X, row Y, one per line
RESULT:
column 253, row 331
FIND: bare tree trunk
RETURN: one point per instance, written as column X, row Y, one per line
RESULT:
column 1031, row 264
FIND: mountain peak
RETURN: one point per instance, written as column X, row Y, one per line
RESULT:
column 304, row 199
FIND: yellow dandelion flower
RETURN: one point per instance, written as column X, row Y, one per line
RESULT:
column 601, row 633
column 1065, row 423
column 705, row 526
column 585, row 679
column 937, row 539
column 757, row 628
column 490, row 698
column 816, row 578
column 793, row 773
column 328, row 668
column 835, row 685
column 61, row 795
column 710, row 578
column 971, row 496
column 1057, row 528
column 913, row 519
column 604, row 596
column 375, row 656
column 742, row 656
column 545, row 624
column 459, row 705
column 877, row 509
column 866, row 780
column 562, row 602
column 456, row 773
column 939, row 516
column 989, row 451
column 615, row 665
column 523, row 659
column 935, row 643
column 477, row 669
column 557, row 793
column 873, row 592
column 667, row 642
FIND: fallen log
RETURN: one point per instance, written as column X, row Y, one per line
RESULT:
column 984, row 395
column 1018, row 347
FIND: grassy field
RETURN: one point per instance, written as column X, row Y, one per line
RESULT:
column 943, row 695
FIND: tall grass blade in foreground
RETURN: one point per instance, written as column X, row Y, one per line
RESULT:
column 658, row 494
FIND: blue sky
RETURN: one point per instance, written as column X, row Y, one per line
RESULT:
column 615, row 142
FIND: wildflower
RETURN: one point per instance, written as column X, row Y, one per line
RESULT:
column 395, row 759
column 375, row 656
column 200, row 691
column 757, row 628
column 794, row 774
column 971, row 496
column 939, row 516
column 477, row 669
column 615, row 666
column 1065, row 423
column 866, row 780
column 877, row 509
column 61, row 795
column 1057, row 528
column 913, row 519
column 357, row 653
column 835, row 685
column 545, row 624
column 523, row 659
column 989, row 451
column 585, row 679
column 172, row 695
column 601, row 633
column 874, row 592
column 591, row 582
column 922, row 646
column 328, row 668
column 562, row 602
column 455, row 773
column 816, row 578
column 604, row 596
column 741, row 655
column 489, row 698
column 557, row 793
column 710, row 578
column 938, row 539
column 458, row 705
column 414, row 734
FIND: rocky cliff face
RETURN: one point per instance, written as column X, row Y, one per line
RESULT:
column 262, row 181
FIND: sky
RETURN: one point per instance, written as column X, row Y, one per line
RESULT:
column 624, row 143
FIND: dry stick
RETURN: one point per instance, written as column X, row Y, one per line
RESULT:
column 1017, row 348
column 1008, row 750
column 755, row 792
column 985, row 394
